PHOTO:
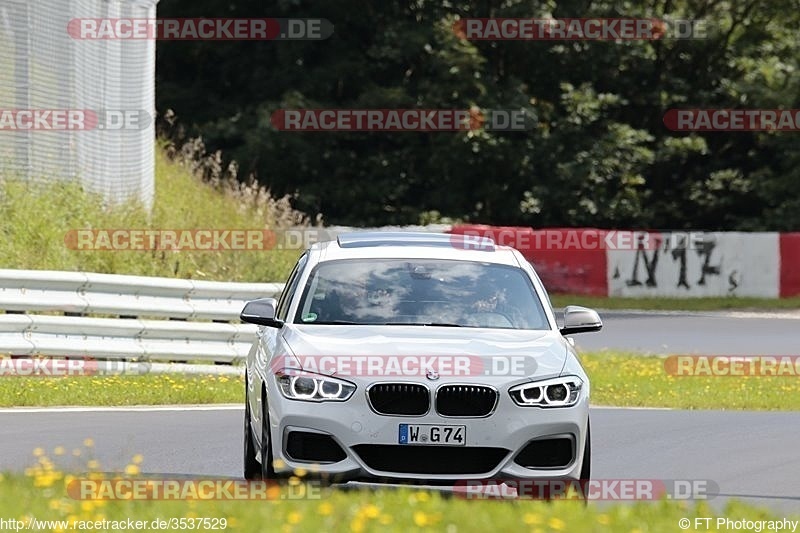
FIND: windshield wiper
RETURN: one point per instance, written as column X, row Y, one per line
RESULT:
column 437, row 324
column 348, row 323
column 331, row 323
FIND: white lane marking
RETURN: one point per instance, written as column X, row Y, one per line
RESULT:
column 636, row 408
column 780, row 315
column 123, row 409
column 738, row 314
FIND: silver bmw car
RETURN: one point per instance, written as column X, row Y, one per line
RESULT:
column 415, row 357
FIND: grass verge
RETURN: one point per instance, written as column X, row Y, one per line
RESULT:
column 27, row 391
column 677, row 304
column 630, row 380
column 42, row 495
column 35, row 218
column 618, row 379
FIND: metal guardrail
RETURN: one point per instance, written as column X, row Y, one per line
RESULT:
column 154, row 318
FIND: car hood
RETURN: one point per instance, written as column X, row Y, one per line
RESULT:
column 485, row 355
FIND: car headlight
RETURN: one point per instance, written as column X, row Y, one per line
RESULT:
column 557, row 392
column 313, row 387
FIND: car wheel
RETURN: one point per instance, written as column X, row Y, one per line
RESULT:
column 267, row 469
column 252, row 470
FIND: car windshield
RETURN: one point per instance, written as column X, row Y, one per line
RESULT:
column 421, row 292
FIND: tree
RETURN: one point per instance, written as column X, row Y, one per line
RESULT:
column 598, row 154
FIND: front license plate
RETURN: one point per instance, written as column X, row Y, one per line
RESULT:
column 432, row 435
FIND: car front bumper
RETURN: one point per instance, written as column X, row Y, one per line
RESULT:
column 372, row 452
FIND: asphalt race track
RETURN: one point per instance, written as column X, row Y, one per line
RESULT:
column 685, row 333
column 750, row 456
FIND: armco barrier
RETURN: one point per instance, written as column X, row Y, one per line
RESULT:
column 179, row 320
column 714, row 264
column 156, row 318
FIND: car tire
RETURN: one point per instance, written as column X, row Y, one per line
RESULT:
column 252, row 468
column 267, row 469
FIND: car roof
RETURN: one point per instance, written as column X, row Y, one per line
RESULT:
column 413, row 245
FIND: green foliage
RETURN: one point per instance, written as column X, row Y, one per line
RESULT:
column 599, row 155
column 299, row 506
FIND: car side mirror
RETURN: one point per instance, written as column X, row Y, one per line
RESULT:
column 261, row 312
column 579, row 319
